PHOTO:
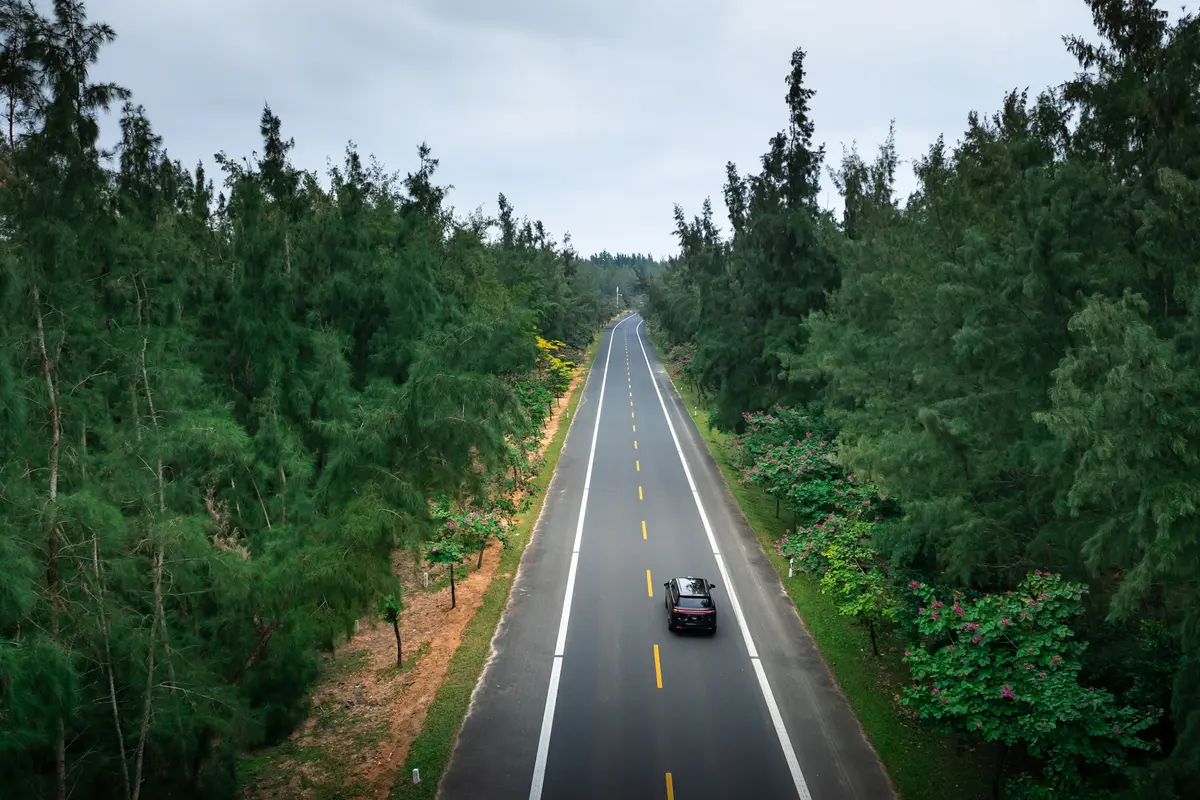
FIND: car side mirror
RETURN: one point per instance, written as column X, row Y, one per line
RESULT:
column 712, row 586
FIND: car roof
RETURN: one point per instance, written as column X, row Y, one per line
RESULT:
column 692, row 587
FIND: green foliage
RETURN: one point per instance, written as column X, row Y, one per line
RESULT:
column 389, row 609
column 222, row 409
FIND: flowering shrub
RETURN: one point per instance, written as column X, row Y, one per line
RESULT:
column 839, row 551
column 682, row 359
column 557, row 371
column 470, row 528
column 787, row 455
column 446, row 550
column 779, row 426
column 536, row 401
column 1005, row 668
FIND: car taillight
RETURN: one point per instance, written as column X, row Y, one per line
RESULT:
column 693, row 610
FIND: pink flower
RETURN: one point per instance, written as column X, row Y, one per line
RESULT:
column 958, row 609
column 974, row 640
column 1004, row 621
column 1007, row 692
column 914, row 584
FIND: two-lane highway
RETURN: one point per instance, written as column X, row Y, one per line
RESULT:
column 588, row 694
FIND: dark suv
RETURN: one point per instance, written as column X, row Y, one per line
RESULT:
column 690, row 605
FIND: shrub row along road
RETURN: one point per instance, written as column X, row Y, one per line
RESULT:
column 588, row 694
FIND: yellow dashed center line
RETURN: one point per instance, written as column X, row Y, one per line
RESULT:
column 657, row 668
column 639, row 493
column 631, row 404
column 643, row 529
column 649, row 585
column 635, row 428
column 635, row 444
column 631, row 414
column 670, row 788
column 638, row 464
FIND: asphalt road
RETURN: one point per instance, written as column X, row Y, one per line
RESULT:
column 620, row 707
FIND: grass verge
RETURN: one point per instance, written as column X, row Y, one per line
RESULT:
column 430, row 751
column 921, row 764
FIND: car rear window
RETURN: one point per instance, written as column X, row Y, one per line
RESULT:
column 694, row 602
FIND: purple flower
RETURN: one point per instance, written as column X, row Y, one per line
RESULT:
column 1007, row 692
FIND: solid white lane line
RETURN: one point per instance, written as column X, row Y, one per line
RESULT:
column 539, row 764
column 789, row 752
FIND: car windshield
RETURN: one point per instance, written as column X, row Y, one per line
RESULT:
column 694, row 602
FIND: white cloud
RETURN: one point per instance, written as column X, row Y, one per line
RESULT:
column 594, row 117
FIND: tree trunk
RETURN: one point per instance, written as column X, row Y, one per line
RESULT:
column 399, row 650
column 147, row 702
column 112, row 689
column 482, row 547
column 60, row 746
column 264, row 638
column 453, row 601
column 998, row 781
column 871, row 630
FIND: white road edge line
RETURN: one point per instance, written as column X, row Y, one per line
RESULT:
column 543, row 750
column 789, row 753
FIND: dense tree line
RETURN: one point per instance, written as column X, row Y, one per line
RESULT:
column 626, row 273
column 221, row 410
column 1009, row 358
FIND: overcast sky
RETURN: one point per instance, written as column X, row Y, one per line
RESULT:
column 594, row 115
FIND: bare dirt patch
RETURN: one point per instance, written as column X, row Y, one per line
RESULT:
column 367, row 712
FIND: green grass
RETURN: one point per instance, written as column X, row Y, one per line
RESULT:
column 921, row 764
column 430, row 751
